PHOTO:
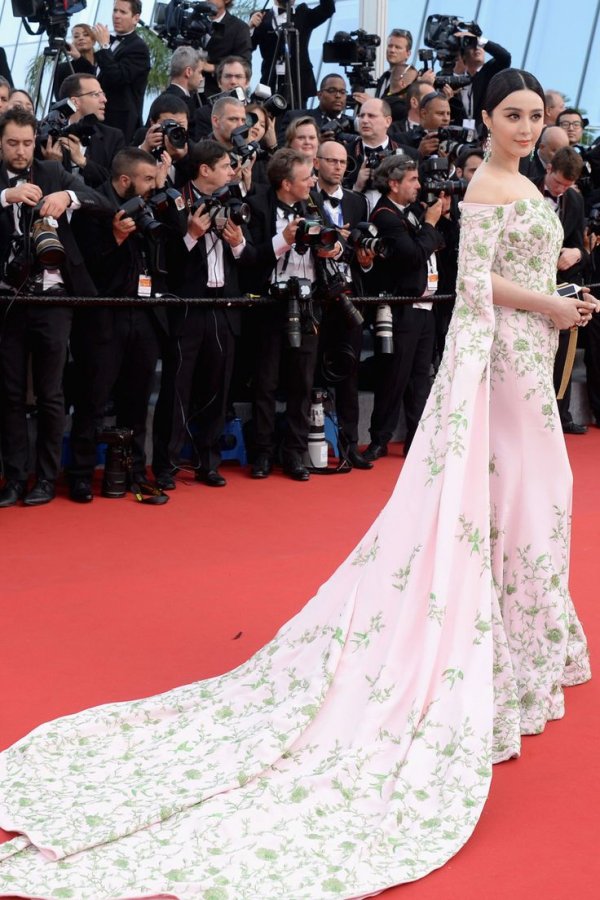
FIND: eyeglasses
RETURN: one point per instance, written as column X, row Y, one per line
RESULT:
column 332, row 161
column 341, row 92
column 95, row 94
column 574, row 124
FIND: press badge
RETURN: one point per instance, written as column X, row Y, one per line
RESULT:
column 432, row 275
column 144, row 286
column 280, row 68
column 469, row 123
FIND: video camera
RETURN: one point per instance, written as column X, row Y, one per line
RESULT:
column 184, row 22
column 356, row 52
column 440, row 35
column 52, row 16
column 435, row 180
column 223, row 206
column 56, row 124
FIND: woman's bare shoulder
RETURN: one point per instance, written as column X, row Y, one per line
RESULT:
column 486, row 188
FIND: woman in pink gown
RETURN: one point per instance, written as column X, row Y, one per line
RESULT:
column 354, row 751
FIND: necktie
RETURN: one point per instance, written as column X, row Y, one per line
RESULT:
column 327, row 198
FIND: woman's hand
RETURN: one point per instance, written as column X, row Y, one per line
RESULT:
column 570, row 312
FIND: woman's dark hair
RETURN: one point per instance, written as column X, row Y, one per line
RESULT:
column 506, row 82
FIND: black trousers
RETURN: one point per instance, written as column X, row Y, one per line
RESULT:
column 118, row 359
column 297, row 366
column 592, row 365
column 197, row 369
column 43, row 333
column 403, row 374
column 339, row 341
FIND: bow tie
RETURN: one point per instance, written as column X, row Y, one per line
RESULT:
column 113, row 38
column 14, row 180
column 550, row 196
column 327, row 198
column 296, row 209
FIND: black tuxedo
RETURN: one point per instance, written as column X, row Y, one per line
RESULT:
column 192, row 101
column 64, row 69
column 41, row 331
column 123, row 76
column 198, row 358
column 356, row 152
column 231, row 37
column 115, row 348
column 403, row 375
column 104, row 145
column 306, row 19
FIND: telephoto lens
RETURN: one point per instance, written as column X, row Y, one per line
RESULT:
column 292, row 323
column 317, row 445
column 118, row 460
column 384, row 342
column 49, row 251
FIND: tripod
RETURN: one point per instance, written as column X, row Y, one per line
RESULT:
column 287, row 72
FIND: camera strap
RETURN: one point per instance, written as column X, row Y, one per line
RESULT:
column 147, row 493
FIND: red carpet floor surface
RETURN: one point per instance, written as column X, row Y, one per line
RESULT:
column 117, row 600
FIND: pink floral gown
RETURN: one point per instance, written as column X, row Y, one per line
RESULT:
column 355, row 750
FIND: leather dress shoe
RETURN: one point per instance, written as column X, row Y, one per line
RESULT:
column 375, row 451
column 80, row 490
column 165, row 481
column 574, row 428
column 296, row 470
column 262, row 466
column 356, row 458
column 11, row 493
column 42, row 492
column 211, row 477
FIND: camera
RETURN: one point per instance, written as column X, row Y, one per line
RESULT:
column 51, row 16
column 312, row 234
column 454, row 139
column 374, row 158
column 38, row 247
column 236, row 93
column 56, row 124
column 243, row 149
column 176, row 133
column 364, row 236
column 223, row 206
column 165, row 209
column 356, row 52
column 118, row 459
column 273, row 104
column 384, row 339
column 440, row 35
column 294, row 291
column 593, row 220
column 435, row 179
column 184, row 22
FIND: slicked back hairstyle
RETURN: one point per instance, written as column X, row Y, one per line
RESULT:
column 507, row 82
column 72, row 85
column 182, row 58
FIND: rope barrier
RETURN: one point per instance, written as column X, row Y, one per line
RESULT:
column 172, row 300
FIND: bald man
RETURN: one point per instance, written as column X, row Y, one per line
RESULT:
column 552, row 139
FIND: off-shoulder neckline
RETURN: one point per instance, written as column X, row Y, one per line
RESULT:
column 496, row 205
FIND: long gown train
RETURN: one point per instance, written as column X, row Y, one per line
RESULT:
column 354, row 751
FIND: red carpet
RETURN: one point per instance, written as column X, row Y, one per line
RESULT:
column 118, row 600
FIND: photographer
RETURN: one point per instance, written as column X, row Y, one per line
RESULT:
column 329, row 115
column 472, row 62
column 198, row 365
column 277, row 216
column 400, row 72
column 230, row 37
column 409, row 269
column 91, row 155
column 370, row 147
column 115, row 348
column 227, row 115
column 39, row 255
column 185, row 78
column 232, row 72
column 341, row 335
column 123, row 64
column 408, row 131
column 167, row 140
column 82, row 58
column 267, row 29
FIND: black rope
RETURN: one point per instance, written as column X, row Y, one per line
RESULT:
column 172, row 300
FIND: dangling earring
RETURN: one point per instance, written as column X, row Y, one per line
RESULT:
column 531, row 155
column 487, row 147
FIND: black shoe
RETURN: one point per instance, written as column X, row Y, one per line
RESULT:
column 211, row 477
column 262, row 466
column 42, row 492
column 11, row 493
column 80, row 490
column 296, row 470
column 375, row 451
column 165, row 481
column 356, row 459
column 574, row 428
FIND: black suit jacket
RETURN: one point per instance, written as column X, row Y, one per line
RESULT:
column 52, row 177
column 64, row 69
column 123, row 76
column 404, row 270
column 231, row 37
column 105, row 143
column 571, row 212
column 192, row 102
column 306, row 19
column 500, row 60
column 4, row 69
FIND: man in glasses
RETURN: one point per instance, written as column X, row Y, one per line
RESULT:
column 573, row 124
column 330, row 114
column 92, row 160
